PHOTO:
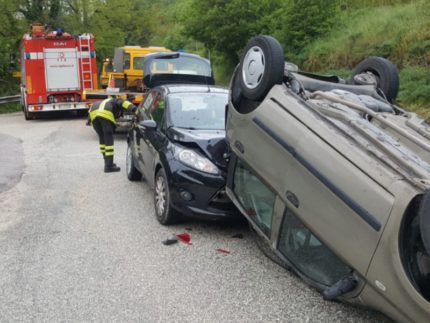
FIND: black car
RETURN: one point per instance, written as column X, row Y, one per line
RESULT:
column 177, row 142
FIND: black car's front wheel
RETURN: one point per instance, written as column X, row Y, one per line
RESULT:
column 163, row 211
column 132, row 173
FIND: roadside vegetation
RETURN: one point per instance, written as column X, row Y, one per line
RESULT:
column 317, row 35
column 10, row 107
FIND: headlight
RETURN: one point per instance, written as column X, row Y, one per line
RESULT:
column 194, row 160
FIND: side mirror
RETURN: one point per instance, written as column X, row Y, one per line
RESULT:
column 149, row 124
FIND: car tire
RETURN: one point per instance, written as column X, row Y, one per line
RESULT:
column 82, row 113
column 164, row 212
column 424, row 221
column 236, row 88
column 261, row 67
column 132, row 173
column 386, row 74
column 28, row 115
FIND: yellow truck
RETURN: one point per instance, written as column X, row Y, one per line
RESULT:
column 125, row 70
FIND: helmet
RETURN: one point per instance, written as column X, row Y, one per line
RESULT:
column 131, row 97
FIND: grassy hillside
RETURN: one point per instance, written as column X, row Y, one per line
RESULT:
column 399, row 32
column 10, row 107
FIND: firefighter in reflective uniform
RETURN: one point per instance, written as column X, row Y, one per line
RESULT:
column 103, row 115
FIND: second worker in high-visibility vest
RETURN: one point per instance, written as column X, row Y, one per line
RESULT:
column 103, row 115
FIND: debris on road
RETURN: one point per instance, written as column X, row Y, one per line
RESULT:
column 223, row 251
column 170, row 241
column 237, row 236
column 185, row 238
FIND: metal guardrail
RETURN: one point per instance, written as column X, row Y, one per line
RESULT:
column 10, row 99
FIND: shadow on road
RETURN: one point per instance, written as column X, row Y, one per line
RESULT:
column 239, row 223
column 59, row 115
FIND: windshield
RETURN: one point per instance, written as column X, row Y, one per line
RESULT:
column 203, row 111
column 138, row 63
column 181, row 65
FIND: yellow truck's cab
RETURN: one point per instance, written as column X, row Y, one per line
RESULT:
column 106, row 69
column 126, row 68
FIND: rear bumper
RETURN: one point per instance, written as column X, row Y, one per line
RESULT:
column 64, row 106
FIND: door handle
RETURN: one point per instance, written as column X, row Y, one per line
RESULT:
column 239, row 146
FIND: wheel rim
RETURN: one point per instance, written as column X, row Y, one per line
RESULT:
column 128, row 160
column 253, row 67
column 160, row 195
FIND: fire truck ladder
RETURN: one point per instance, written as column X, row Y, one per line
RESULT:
column 86, row 65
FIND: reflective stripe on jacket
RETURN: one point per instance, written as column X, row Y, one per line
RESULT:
column 126, row 104
column 98, row 110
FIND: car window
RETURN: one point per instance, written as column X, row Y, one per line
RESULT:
column 198, row 110
column 181, row 65
column 255, row 197
column 308, row 254
column 126, row 64
column 144, row 106
column 138, row 63
column 108, row 66
column 148, row 101
column 163, row 124
column 156, row 110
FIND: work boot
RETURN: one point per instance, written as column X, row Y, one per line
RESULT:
column 110, row 167
column 104, row 158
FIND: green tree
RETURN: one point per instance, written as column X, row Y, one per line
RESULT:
column 77, row 14
column 304, row 22
column 111, row 23
column 225, row 26
column 33, row 10
column 11, row 29
column 54, row 14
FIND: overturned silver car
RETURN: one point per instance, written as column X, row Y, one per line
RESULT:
column 334, row 178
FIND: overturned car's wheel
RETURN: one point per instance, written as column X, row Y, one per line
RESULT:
column 385, row 72
column 424, row 223
column 414, row 243
column 236, row 88
column 261, row 67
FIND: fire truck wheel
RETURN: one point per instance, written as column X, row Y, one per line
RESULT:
column 28, row 115
column 82, row 113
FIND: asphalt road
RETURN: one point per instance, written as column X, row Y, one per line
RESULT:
column 79, row 245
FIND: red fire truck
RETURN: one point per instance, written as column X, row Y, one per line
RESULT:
column 56, row 67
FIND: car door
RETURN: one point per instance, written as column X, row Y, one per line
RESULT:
column 139, row 131
column 152, row 139
column 280, row 227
